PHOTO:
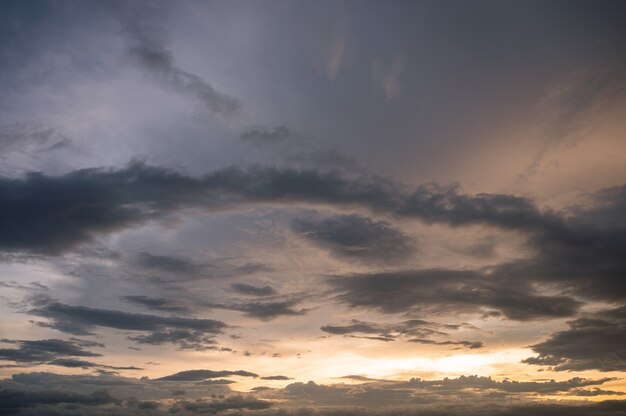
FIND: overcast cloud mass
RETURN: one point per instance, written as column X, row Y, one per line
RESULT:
column 319, row 208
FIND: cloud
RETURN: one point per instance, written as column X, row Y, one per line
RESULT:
column 41, row 351
column 11, row 401
column 276, row 378
column 386, row 76
column 237, row 402
column 169, row 264
column 356, row 237
column 246, row 289
column 418, row 396
column 146, row 38
column 215, row 382
column 156, row 304
column 188, row 333
column 199, row 375
column 86, row 202
column 413, row 327
column 73, row 363
column 589, row 343
column 265, row 310
column 468, row 344
column 159, row 268
column 471, row 395
column 25, row 137
column 577, row 252
column 267, row 135
column 401, row 331
column 330, row 47
column 438, row 290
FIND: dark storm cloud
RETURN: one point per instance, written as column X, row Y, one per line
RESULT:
column 199, row 375
column 595, row 342
column 356, row 237
column 578, row 252
column 246, row 289
column 41, row 351
column 156, row 304
column 186, row 332
column 438, row 290
column 147, row 46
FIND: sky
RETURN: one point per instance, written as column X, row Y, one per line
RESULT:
column 313, row 208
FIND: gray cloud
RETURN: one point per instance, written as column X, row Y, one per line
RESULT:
column 589, row 343
column 30, row 138
column 146, row 38
column 156, row 304
column 188, row 333
column 412, row 327
column 467, row 344
column 263, row 310
column 356, row 237
column 437, row 290
column 418, row 396
column 246, row 289
column 237, row 402
column 12, row 401
column 171, row 264
column 472, row 395
column 159, row 268
column 265, row 135
column 42, row 351
column 199, row 375
column 73, row 363
column 85, row 203
column 401, row 331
